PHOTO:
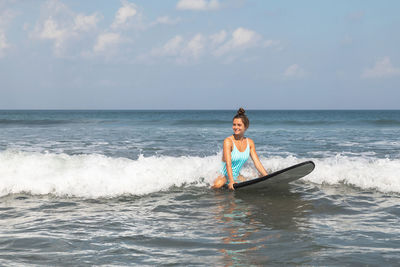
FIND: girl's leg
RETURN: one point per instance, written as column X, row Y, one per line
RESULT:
column 241, row 178
column 219, row 182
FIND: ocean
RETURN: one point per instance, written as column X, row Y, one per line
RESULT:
column 117, row 188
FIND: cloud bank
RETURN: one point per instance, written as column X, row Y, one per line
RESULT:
column 218, row 45
column 66, row 29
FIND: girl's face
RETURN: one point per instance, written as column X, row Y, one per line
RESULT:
column 238, row 127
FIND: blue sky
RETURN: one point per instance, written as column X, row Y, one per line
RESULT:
column 199, row 54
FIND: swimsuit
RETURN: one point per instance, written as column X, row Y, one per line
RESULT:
column 238, row 160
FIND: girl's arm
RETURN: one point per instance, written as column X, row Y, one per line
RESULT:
column 228, row 160
column 256, row 160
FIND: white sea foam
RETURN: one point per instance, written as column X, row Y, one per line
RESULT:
column 94, row 175
column 386, row 143
column 363, row 172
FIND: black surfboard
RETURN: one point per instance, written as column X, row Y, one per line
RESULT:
column 284, row 176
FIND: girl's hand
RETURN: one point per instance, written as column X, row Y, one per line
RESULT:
column 230, row 186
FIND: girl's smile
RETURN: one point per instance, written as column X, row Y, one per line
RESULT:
column 238, row 127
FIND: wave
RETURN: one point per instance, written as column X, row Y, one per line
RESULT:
column 383, row 122
column 299, row 122
column 200, row 122
column 95, row 175
column 362, row 172
column 376, row 123
column 32, row 122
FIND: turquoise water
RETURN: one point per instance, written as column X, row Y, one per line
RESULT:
column 132, row 187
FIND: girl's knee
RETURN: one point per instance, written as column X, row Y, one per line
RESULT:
column 241, row 178
column 219, row 182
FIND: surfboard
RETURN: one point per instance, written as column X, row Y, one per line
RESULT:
column 284, row 176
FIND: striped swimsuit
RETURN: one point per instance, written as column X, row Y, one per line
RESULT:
column 238, row 160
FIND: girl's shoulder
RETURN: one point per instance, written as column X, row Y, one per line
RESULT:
column 228, row 140
column 251, row 142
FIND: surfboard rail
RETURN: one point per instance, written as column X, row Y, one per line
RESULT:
column 306, row 167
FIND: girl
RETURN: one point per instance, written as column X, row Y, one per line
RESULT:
column 237, row 149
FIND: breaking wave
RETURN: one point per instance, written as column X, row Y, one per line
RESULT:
column 95, row 175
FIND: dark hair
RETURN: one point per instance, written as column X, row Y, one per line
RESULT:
column 241, row 115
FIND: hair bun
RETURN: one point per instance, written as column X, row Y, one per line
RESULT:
column 241, row 111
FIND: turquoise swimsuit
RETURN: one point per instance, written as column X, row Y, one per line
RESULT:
column 238, row 160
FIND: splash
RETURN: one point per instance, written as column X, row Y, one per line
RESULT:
column 95, row 175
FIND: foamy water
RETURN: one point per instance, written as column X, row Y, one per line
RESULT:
column 97, row 175
column 92, row 176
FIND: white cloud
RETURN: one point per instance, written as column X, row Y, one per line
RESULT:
column 218, row 38
column 199, row 5
column 5, row 18
column 244, row 37
column 383, row 68
column 295, row 71
column 106, row 40
column 124, row 14
column 171, row 48
column 61, row 25
column 166, row 20
column 182, row 51
column 86, row 23
column 125, row 17
column 195, row 47
column 3, row 43
column 52, row 31
column 190, row 50
column 270, row 43
column 241, row 39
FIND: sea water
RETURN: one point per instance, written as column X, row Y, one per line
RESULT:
column 133, row 188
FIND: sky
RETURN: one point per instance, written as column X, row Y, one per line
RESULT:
column 199, row 54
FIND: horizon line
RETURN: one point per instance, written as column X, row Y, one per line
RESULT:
column 206, row 109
